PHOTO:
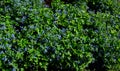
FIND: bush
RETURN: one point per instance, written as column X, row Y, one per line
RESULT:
column 65, row 37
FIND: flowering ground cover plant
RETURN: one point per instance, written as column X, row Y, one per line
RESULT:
column 83, row 35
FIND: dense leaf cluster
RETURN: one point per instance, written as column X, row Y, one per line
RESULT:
column 82, row 35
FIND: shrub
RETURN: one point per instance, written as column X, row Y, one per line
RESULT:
column 65, row 37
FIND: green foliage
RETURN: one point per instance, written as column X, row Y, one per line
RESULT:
column 66, row 37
